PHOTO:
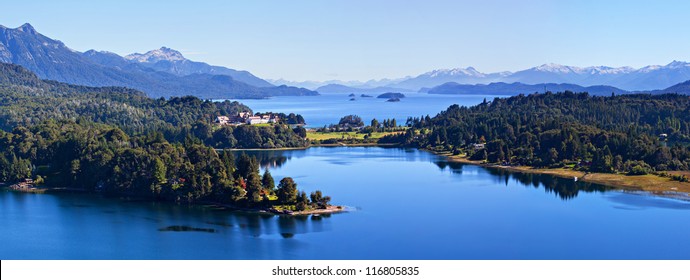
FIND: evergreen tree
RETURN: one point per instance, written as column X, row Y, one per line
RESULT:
column 254, row 187
column 267, row 181
column 287, row 191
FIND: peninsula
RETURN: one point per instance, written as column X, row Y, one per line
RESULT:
column 158, row 149
column 620, row 140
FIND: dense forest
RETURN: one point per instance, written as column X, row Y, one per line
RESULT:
column 26, row 100
column 635, row 134
column 98, row 157
column 116, row 140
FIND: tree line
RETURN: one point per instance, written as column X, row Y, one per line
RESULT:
column 636, row 134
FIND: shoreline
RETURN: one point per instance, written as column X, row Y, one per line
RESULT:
column 354, row 145
column 42, row 190
column 649, row 183
column 331, row 209
column 264, row 149
column 314, row 145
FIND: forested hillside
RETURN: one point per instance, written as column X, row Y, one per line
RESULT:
column 117, row 140
column 26, row 100
column 628, row 133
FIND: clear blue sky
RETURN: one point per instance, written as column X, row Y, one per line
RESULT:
column 353, row 39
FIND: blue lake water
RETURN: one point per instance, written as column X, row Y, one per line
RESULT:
column 409, row 205
column 329, row 108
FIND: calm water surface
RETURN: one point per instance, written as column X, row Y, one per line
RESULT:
column 409, row 205
column 328, row 108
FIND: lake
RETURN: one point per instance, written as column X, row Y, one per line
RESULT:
column 328, row 108
column 408, row 204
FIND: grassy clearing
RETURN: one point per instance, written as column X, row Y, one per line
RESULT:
column 313, row 135
column 262, row 124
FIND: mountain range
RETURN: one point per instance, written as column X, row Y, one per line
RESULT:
column 314, row 85
column 501, row 88
column 166, row 72
column 625, row 78
column 162, row 72
column 337, row 88
column 520, row 88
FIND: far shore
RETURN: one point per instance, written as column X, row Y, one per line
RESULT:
column 650, row 183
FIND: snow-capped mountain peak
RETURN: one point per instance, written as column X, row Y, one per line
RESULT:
column 605, row 70
column 591, row 70
column 556, row 68
column 469, row 71
column 164, row 53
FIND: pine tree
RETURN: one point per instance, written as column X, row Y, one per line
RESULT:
column 267, row 181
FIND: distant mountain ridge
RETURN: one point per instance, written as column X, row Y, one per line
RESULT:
column 314, row 85
column 520, row 88
column 627, row 78
column 647, row 78
column 681, row 88
column 336, row 88
column 162, row 72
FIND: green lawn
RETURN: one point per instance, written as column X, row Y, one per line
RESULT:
column 263, row 124
column 313, row 135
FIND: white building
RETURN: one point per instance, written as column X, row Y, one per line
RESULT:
column 222, row 120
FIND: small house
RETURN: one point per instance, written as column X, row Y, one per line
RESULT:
column 222, row 120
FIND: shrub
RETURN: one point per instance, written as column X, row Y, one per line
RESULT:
column 637, row 167
column 638, row 170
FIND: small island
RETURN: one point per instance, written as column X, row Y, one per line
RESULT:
column 393, row 100
column 365, row 95
column 351, row 95
column 352, row 99
column 390, row 95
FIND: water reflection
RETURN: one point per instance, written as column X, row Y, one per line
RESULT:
column 337, row 155
column 270, row 158
column 411, row 210
column 187, row 228
column 565, row 189
column 170, row 217
column 454, row 167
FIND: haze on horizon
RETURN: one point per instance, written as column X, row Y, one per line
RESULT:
column 363, row 40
